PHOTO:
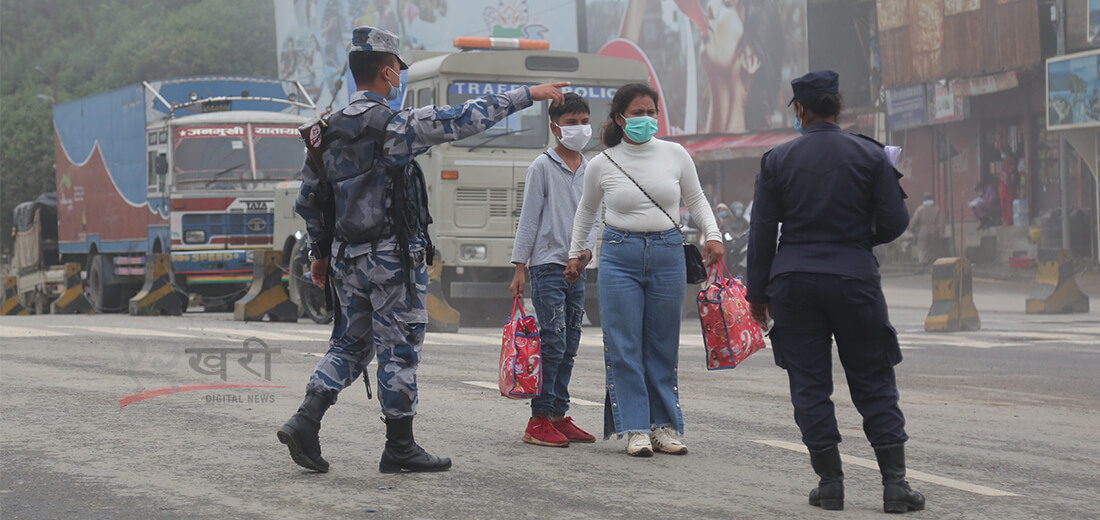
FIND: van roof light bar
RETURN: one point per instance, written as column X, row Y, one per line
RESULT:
column 473, row 42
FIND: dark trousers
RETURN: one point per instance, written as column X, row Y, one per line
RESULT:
column 811, row 309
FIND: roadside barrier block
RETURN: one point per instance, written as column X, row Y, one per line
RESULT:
column 953, row 307
column 158, row 297
column 266, row 296
column 441, row 316
column 72, row 300
column 11, row 305
column 1057, row 291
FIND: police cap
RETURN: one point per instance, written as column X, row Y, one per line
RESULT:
column 814, row 84
column 377, row 40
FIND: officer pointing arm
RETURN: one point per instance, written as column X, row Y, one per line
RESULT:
column 409, row 132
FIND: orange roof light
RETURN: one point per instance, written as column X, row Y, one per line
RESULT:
column 472, row 42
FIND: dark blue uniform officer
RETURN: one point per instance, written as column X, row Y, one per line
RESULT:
column 836, row 196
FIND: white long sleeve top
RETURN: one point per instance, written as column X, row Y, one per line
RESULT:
column 663, row 168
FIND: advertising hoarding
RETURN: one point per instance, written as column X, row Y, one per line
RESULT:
column 1073, row 91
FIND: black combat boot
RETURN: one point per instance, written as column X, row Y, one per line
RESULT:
column 897, row 497
column 829, row 493
column 300, row 432
column 402, row 452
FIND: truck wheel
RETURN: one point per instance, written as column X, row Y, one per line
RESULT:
column 311, row 297
column 104, row 297
column 592, row 311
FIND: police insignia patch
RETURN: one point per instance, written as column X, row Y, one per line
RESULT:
column 315, row 136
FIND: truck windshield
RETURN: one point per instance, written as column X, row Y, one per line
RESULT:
column 524, row 129
column 219, row 157
column 280, row 152
column 211, row 156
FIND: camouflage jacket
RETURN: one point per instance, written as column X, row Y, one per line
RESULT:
column 410, row 132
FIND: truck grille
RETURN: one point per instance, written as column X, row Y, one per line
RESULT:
column 495, row 198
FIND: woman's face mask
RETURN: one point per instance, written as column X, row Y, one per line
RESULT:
column 723, row 214
column 640, row 129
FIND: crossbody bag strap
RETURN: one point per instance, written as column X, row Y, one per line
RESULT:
column 674, row 223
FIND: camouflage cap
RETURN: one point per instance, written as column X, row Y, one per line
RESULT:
column 377, row 40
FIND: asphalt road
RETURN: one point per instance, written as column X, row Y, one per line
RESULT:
column 1002, row 423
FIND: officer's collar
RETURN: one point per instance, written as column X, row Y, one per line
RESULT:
column 360, row 95
column 821, row 126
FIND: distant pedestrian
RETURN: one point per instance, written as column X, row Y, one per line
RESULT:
column 641, row 180
column 927, row 224
column 555, row 181
column 836, row 196
column 1010, row 182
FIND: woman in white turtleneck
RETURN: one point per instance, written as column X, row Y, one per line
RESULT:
column 642, row 273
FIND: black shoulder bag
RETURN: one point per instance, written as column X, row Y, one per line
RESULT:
column 693, row 259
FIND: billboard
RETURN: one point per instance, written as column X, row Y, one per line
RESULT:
column 1094, row 21
column 720, row 66
column 313, row 36
column 1073, row 91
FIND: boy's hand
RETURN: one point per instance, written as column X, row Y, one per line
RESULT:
column 519, row 280
column 550, row 91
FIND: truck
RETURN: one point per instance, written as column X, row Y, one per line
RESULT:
column 184, row 166
column 475, row 186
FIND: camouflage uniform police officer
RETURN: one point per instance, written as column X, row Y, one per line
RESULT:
column 364, row 200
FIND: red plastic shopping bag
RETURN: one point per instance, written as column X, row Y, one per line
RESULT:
column 520, row 358
column 729, row 333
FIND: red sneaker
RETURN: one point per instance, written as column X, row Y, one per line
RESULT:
column 541, row 432
column 571, row 431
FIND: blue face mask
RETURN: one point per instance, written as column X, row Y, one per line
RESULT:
column 798, row 126
column 395, row 92
column 723, row 214
column 640, row 129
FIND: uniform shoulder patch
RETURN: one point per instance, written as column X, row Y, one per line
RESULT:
column 312, row 133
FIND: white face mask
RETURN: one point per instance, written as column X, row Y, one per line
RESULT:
column 927, row 203
column 575, row 137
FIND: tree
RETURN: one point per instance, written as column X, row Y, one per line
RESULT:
column 59, row 50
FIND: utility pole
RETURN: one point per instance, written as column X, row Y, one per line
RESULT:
column 1063, row 165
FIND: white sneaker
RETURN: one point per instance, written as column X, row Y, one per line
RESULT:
column 664, row 439
column 638, row 445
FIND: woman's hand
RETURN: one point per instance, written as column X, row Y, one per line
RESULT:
column 576, row 265
column 713, row 252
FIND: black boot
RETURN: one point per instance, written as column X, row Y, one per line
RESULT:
column 829, row 493
column 897, row 497
column 300, row 432
column 402, row 452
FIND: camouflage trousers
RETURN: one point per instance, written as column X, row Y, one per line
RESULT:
column 377, row 317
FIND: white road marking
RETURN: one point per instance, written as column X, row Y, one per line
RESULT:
column 251, row 332
column 7, row 331
column 910, row 474
column 116, row 331
column 494, row 386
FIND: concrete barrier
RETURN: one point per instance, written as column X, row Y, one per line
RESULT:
column 441, row 316
column 72, row 300
column 1057, row 291
column 11, row 305
column 158, row 297
column 266, row 296
column 952, row 298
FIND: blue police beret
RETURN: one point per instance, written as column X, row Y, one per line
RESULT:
column 815, row 83
column 377, row 40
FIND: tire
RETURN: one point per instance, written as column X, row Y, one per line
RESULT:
column 592, row 310
column 104, row 297
column 310, row 297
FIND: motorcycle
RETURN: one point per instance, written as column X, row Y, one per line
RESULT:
column 737, row 252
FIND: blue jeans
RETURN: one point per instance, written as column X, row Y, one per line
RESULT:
column 559, row 308
column 642, row 286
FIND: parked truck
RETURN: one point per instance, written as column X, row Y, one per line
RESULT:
column 183, row 166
